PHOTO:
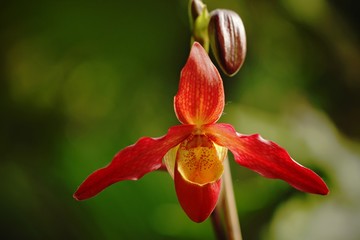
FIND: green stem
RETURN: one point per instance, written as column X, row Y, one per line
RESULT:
column 232, row 222
column 217, row 224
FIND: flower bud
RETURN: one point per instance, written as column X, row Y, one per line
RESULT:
column 195, row 9
column 227, row 40
column 199, row 21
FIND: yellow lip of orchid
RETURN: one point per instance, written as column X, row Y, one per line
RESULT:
column 199, row 160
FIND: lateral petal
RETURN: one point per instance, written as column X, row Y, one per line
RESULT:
column 198, row 201
column 133, row 162
column 200, row 98
column 266, row 158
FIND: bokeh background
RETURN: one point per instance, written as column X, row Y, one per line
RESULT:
column 80, row 80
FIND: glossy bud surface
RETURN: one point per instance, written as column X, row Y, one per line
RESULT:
column 227, row 40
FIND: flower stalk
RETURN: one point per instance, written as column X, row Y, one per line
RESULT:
column 226, row 211
column 232, row 222
column 217, row 223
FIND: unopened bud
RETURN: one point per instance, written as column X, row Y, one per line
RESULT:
column 195, row 9
column 199, row 21
column 227, row 40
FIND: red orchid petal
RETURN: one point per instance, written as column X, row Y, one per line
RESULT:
column 200, row 99
column 133, row 162
column 197, row 201
column 266, row 158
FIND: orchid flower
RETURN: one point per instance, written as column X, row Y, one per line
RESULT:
column 193, row 152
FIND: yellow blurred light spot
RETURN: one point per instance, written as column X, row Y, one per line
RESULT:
column 307, row 10
column 90, row 90
column 33, row 72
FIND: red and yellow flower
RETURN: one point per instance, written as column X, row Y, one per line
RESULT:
column 193, row 152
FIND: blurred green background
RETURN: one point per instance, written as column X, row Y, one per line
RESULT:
column 80, row 80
